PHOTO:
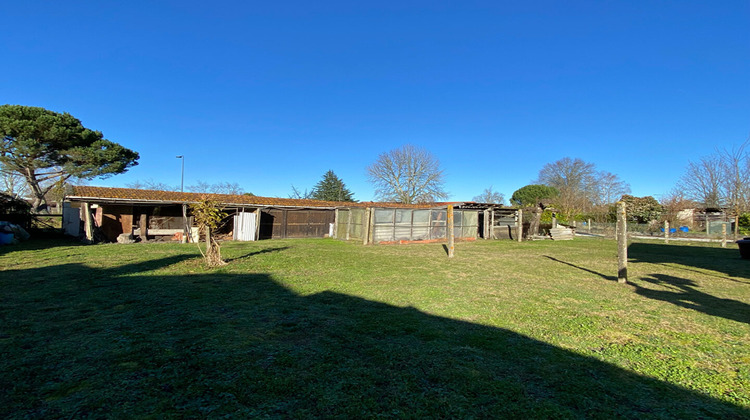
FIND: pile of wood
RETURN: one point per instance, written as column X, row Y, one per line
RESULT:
column 561, row 233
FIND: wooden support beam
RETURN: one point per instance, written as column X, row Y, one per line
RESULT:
column 88, row 222
column 336, row 221
column 492, row 224
column 371, row 226
column 519, row 226
column 366, row 226
column 143, row 225
column 349, row 225
column 450, row 232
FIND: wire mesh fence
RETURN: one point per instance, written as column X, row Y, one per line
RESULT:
column 656, row 230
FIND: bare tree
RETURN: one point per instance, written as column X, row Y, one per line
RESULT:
column 702, row 181
column 609, row 188
column 673, row 203
column 231, row 188
column 582, row 188
column 576, row 182
column 300, row 195
column 735, row 177
column 13, row 183
column 150, row 184
column 489, row 196
column 407, row 175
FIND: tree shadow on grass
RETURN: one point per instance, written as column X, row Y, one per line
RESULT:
column 685, row 293
column 701, row 258
column 262, row 251
column 214, row 345
column 604, row 276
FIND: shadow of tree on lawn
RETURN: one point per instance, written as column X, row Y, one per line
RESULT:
column 262, row 251
column 134, row 341
column 685, row 293
column 604, row 276
column 701, row 258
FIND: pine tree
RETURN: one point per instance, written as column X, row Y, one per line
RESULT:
column 331, row 188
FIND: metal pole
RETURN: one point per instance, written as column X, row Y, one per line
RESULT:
column 182, row 173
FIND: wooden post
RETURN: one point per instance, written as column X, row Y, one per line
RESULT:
column 519, row 225
column 366, row 226
column 486, row 233
column 723, row 235
column 258, row 215
column 349, row 225
column 736, row 226
column 336, row 221
column 143, row 224
column 554, row 220
column 589, row 225
column 88, row 222
column 371, row 226
column 492, row 225
column 622, row 244
column 450, row 232
column 666, row 232
column 186, row 228
column 708, row 226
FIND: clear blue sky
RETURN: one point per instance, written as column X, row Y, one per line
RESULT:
column 270, row 94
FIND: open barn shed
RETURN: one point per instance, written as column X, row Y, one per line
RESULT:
column 149, row 214
column 107, row 213
column 387, row 223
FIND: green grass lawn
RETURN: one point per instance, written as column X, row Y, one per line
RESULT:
column 322, row 328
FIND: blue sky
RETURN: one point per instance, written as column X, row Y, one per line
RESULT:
column 273, row 94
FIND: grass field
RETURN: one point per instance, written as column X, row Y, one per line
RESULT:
column 322, row 328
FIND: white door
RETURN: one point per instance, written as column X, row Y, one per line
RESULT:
column 71, row 220
column 244, row 226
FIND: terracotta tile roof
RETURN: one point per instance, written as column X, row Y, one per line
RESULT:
column 94, row 194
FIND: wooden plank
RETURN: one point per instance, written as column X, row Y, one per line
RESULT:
column 158, row 232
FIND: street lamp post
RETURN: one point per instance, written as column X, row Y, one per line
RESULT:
column 182, row 173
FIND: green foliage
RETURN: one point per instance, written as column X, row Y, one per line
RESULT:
column 531, row 195
column 43, row 145
column 744, row 220
column 207, row 213
column 331, row 188
column 639, row 209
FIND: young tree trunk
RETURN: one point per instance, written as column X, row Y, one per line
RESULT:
column 209, row 242
column 213, row 250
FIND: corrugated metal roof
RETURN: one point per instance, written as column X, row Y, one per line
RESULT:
column 137, row 196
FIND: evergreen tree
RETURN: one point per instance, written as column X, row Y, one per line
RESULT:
column 331, row 188
column 42, row 146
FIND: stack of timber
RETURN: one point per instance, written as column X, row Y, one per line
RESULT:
column 561, row 233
